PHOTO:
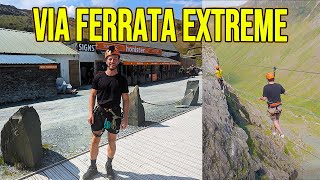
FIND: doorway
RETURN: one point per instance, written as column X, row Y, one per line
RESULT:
column 86, row 72
column 74, row 73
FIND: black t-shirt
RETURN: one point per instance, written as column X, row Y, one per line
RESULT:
column 272, row 92
column 109, row 89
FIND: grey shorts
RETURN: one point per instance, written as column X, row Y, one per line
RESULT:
column 275, row 112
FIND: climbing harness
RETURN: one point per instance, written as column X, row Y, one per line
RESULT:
column 107, row 124
column 273, row 105
column 114, row 118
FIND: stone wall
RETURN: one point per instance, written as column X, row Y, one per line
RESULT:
column 22, row 82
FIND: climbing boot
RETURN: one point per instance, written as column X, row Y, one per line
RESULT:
column 110, row 172
column 274, row 133
column 281, row 135
column 92, row 171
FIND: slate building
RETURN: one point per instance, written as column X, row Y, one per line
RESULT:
column 28, row 69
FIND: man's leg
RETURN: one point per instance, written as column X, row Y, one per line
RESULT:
column 111, row 144
column 274, row 130
column 221, row 83
column 111, row 151
column 277, row 126
column 278, row 119
column 94, row 147
column 94, row 150
column 273, row 118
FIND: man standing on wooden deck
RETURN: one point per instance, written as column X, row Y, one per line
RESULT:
column 108, row 87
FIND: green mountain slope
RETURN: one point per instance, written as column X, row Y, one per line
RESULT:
column 245, row 66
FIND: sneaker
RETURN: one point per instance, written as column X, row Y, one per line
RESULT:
column 281, row 135
column 274, row 133
column 110, row 172
column 92, row 171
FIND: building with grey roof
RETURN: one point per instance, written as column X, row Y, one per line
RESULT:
column 13, row 42
column 28, row 69
column 21, row 42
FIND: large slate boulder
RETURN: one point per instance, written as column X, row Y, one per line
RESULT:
column 136, row 109
column 21, row 138
column 191, row 94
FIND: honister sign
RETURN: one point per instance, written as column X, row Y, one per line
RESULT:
column 129, row 48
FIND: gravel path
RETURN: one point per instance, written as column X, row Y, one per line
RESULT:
column 64, row 121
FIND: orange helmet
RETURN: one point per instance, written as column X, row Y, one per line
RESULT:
column 270, row 75
column 112, row 50
column 217, row 67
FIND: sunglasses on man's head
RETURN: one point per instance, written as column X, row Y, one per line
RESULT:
column 111, row 48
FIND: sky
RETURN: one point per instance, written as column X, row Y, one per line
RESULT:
column 177, row 5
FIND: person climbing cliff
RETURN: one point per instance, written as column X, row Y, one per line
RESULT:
column 272, row 95
column 219, row 76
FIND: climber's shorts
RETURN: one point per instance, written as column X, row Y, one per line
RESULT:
column 100, row 115
column 275, row 112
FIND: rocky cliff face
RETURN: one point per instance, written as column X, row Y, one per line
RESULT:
column 234, row 145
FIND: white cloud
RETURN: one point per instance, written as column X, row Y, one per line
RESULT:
column 207, row 3
column 221, row 3
column 186, row 3
column 104, row 3
column 71, row 10
column 28, row 4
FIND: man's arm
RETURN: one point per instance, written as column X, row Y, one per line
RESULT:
column 283, row 91
column 125, row 100
column 264, row 94
column 216, row 73
column 92, row 102
column 263, row 98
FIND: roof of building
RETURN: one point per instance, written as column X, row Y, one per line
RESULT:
column 24, row 59
column 21, row 42
column 146, row 60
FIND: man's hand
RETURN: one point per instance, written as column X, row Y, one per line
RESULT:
column 124, row 123
column 90, row 119
column 263, row 98
column 92, row 100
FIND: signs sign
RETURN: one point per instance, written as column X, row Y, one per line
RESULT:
column 129, row 48
column 86, row 47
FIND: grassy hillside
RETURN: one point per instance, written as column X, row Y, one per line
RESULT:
column 245, row 66
column 16, row 22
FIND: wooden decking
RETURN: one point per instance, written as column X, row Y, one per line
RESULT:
column 170, row 150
